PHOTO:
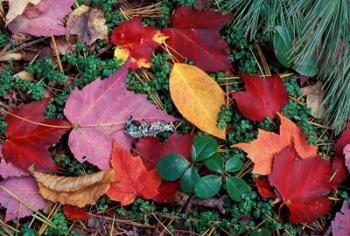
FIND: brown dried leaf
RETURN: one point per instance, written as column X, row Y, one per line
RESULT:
column 314, row 96
column 75, row 191
column 17, row 7
column 88, row 24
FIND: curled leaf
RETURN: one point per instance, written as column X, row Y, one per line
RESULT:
column 75, row 191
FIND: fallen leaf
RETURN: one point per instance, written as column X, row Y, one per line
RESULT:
column 76, row 191
column 132, row 178
column 202, row 4
column 28, row 141
column 17, row 7
column 262, row 150
column 303, row 185
column 347, row 155
column 195, row 36
column 314, row 96
column 342, row 141
column 19, row 195
column 264, row 97
column 99, row 113
column 43, row 19
column 197, row 97
column 152, row 150
column 339, row 170
column 75, row 213
column 264, row 188
column 88, row 24
column 136, row 41
column 7, row 169
column 341, row 223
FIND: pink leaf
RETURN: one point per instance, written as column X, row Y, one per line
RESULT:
column 346, row 152
column 26, row 194
column 7, row 169
column 99, row 112
column 341, row 222
column 43, row 19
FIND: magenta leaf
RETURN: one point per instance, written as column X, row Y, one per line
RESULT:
column 16, row 194
column 43, row 19
column 99, row 112
column 341, row 222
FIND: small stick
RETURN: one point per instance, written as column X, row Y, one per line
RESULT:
column 57, row 54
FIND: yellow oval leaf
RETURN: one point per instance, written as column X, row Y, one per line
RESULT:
column 197, row 97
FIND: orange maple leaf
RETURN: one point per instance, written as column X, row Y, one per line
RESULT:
column 132, row 178
column 262, row 150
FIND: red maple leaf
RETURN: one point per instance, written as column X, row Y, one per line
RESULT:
column 152, row 151
column 264, row 187
column 132, row 178
column 264, row 97
column 136, row 41
column 30, row 134
column 99, row 113
column 75, row 213
column 195, row 35
column 303, row 184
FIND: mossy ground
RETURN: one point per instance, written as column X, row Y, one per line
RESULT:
column 254, row 215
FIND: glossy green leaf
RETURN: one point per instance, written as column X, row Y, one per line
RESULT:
column 235, row 187
column 233, row 164
column 189, row 180
column 208, row 186
column 203, row 147
column 282, row 43
column 215, row 163
column 172, row 167
column 309, row 69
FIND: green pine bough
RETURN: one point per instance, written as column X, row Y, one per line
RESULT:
column 310, row 36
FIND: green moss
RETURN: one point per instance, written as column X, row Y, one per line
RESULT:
column 61, row 226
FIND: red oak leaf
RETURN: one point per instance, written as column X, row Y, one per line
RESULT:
column 195, row 36
column 132, row 178
column 152, row 150
column 99, row 113
column 27, row 141
column 136, row 41
column 43, row 19
column 264, row 187
column 75, row 213
column 303, row 185
column 264, row 97
column 341, row 223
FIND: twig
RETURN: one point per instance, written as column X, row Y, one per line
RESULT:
column 57, row 54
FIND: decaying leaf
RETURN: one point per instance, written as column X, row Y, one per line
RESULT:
column 88, row 24
column 17, row 7
column 99, row 113
column 43, row 19
column 197, row 97
column 262, row 150
column 303, row 184
column 132, row 178
column 314, row 96
column 76, row 191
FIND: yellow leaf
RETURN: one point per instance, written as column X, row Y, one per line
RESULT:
column 17, row 7
column 75, row 191
column 197, row 97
